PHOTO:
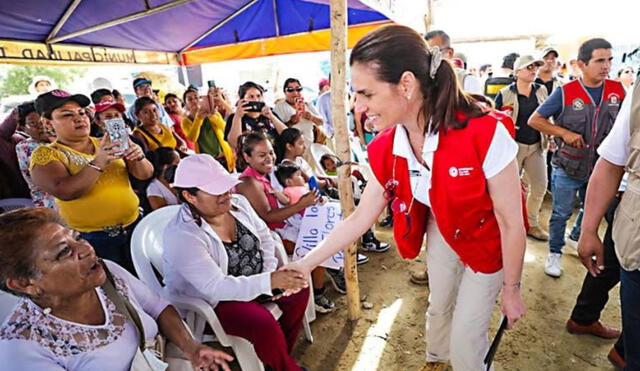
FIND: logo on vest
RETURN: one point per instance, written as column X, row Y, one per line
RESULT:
column 459, row 171
column 578, row 104
column 614, row 99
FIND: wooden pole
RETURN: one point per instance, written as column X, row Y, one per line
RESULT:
column 342, row 143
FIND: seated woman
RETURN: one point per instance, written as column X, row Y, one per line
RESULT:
column 290, row 147
column 67, row 317
column 258, row 155
column 39, row 134
column 174, row 107
column 206, row 128
column 151, row 131
column 159, row 192
column 247, row 118
column 89, row 177
column 219, row 250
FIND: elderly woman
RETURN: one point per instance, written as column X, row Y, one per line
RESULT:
column 68, row 316
column 219, row 250
column 88, row 177
column 39, row 134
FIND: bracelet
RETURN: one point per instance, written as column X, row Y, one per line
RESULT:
column 94, row 166
column 514, row 285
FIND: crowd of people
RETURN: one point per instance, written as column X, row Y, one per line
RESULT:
column 462, row 159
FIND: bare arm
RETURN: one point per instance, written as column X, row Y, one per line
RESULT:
column 236, row 125
column 279, row 125
column 370, row 207
column 252, row 190
column 545, row 126
column 602, row 187
column 137, row 165
column 504, row 189
column 156, row 202
column 9, row 125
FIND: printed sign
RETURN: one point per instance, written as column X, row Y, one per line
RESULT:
column 317, row 223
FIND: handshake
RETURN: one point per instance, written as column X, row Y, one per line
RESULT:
column 290, row 279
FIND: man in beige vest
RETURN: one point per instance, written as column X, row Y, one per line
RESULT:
column 619, row 152
column 520, row 100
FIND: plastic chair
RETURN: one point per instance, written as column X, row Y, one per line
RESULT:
column 318, row 150
column 9, row 204
column 146, row 252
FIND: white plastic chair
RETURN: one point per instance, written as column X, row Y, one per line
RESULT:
column 9, row 204
column 146, row 252
column 318, row 150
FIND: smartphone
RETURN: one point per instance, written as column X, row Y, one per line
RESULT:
column 211, row 84
column 206, row 104
column 117, row 131
column 313, row 184
column 254, row 106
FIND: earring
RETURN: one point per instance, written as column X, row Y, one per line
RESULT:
column 47, row 311
column 408, row 96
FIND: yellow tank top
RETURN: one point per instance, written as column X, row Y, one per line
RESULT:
column 109, row 202
column 165, row 138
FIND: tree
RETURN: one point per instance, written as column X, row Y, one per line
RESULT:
column 18, row 78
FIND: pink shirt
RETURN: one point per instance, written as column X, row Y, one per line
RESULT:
column 268, row 191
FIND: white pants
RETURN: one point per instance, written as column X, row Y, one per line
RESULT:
column 532, row 160
column 460, row 306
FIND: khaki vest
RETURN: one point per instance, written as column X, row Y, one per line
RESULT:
column 510, row 98
column 626, row 225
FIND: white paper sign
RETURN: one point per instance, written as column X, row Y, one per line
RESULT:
column 317, row 223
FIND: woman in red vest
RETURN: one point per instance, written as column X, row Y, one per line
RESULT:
column 448, row 168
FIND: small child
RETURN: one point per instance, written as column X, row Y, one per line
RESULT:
column 329, row 164
column 290, row 176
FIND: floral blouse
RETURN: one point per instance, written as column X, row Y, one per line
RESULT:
column 24, row 149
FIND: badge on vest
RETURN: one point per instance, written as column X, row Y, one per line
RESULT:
column 614, row 99
column 578, row 104
column 459, row 171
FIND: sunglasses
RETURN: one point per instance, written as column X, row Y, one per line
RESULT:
column 532, row 67
column 291, row 90
column 397, row 205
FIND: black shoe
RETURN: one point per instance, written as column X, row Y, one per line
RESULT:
column 375, row 246
column 322, row 303
column 336, row 276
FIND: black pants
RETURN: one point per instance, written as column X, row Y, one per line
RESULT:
column 595, row 290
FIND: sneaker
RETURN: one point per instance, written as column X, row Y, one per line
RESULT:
column 362, row 258
column 538, row 233
column 336, row 276
column 375, row 246
column 323, row 304
column 552, row 265
column 387, row 222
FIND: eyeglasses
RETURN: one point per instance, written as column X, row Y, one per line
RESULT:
column 532, row 67
column 397, row 205
column 291, row 90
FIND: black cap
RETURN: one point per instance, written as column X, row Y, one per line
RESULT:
column 47, row 102
column 139, row 81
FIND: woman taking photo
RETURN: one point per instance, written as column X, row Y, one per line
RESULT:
column 68, row 316
column 219, row 250
column 89, row 177
column 463, row 192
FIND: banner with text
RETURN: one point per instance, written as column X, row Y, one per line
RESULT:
column 317, row 223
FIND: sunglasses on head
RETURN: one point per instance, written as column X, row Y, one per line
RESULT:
column 291, row 90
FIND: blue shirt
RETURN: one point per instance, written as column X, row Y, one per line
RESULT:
column 553, row 105
column 324, row 106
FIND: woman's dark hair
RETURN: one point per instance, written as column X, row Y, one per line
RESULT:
column 171, row 95
column 190, row 89
column 25, row 109
column 620, row 71
column 116, row 94
column 242, row 90
column 288, row 136
column 284, row 172
column 98, row 94
column 246, row 143
column 289, row 81
column 19, row 232
column 194, row 210
column 393, row 50
column 160, row 157
column 170, row 173
column 143, row 102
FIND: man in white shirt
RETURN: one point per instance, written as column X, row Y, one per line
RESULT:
column 297, row 113
column 439, row 38
column 618, row 152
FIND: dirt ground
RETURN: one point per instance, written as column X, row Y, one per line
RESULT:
column 390, row 336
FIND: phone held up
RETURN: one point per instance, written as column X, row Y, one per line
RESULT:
column 117, row 131
column 254, row 106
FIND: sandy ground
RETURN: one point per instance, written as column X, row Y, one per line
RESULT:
column 390, row 336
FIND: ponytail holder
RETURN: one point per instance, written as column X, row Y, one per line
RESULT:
column 436, row 60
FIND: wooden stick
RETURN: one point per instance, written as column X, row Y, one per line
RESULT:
column 342, row 143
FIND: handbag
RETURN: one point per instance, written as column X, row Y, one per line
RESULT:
column 148, row 357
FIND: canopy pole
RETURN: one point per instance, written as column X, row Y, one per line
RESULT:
column 70, row 9
column 220, row 24
column 121, row 20
column 342, row 143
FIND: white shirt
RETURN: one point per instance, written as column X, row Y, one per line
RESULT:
column 32, row 340
column 502, row 150
column 284, row 111
column 472, row 84
column 156, row 188
column 615, row 147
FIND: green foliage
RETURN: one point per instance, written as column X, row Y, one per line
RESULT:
column 18, row 78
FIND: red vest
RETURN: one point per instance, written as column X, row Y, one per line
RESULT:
column 459, row 198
